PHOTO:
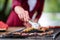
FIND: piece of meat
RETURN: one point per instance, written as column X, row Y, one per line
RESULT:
column 40, row 29
column 28, row 29
column 49, row 32
column 41, row 34
column 43, row 29
column 24, row 34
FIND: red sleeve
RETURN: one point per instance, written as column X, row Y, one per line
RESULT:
column 40, row 9
column 15, row 3
column 10, row 20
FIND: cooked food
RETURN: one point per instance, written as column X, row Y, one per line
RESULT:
column 31, row 34
column 40, row 29
column 45, row 33
column 43, row 29
column 28, row 29
column 3, row 26
column 41, row 34
column 49, row 32
column 24, row 34
column 17, row 33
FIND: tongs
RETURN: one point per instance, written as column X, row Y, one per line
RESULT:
column 34, row 24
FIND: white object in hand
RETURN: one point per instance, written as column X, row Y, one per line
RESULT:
column 34, row 25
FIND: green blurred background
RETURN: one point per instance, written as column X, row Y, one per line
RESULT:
column 51, row 13
column 5, row 7
column 52, row 6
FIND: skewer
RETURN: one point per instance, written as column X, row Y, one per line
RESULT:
column 56, row 35
column 54, row 27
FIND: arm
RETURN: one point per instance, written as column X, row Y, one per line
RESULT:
column 15, row 3
column 22, row 14
column 39, row 11
column 12, row 17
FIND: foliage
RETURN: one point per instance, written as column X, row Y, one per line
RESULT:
column 52, row 6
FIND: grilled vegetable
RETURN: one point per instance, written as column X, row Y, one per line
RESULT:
column 3, row 26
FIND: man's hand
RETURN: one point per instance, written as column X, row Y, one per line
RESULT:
column 22, row 14
column 27, row 24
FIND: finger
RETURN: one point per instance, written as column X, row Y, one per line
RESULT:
column 27, row 24
column 21, row 18
column 27, row 16
column 24, row 16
